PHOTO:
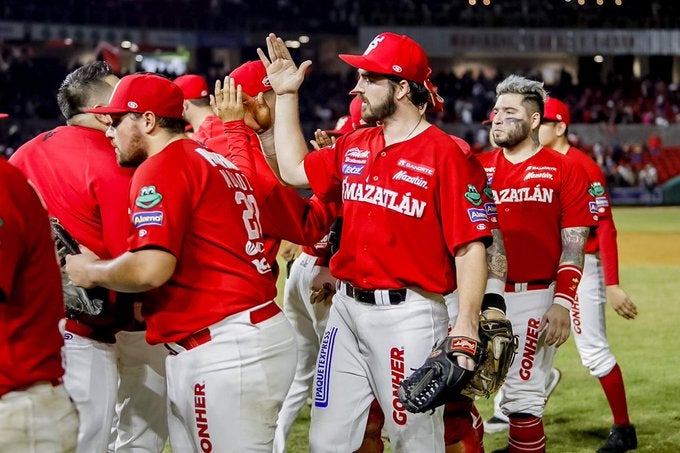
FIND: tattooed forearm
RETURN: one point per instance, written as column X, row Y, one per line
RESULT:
column 496, row 258
column 573, row 245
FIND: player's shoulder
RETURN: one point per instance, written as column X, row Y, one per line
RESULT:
column 486, row 157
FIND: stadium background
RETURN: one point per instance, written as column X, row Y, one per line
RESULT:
column 615, row 62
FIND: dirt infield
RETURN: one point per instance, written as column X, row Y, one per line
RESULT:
column 649, row 249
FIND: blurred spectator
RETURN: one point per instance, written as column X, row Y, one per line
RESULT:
column 648, row 177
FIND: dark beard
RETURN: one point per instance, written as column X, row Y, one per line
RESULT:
column 134, row 155
column 518, row 132
column 379, row 112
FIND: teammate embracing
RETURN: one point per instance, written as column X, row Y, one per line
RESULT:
column 600, row 283
column 402, row 183
column 543, row 211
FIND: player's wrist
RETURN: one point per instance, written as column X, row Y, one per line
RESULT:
column 568, row 279
column 562, row 302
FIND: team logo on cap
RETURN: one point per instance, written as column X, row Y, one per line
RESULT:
column 266, row 81
column 132, row 104
column 204, row 93
column 377, row 40
column 396, row 68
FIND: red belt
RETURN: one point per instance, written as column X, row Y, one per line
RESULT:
column 537, row 284
column 256, row 316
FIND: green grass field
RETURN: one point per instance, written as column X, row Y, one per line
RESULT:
column 577, row 416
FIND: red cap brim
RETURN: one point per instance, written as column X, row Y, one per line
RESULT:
column 3, row 115
column 361, row 62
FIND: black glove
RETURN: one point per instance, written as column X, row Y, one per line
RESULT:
column 440, row 378
column 77, row 300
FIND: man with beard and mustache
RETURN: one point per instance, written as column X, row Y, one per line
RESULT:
column 544, row 216
column 413, row 230
column 195, row 244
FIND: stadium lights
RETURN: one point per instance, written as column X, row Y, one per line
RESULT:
column 598, row 59
column 125, row 44
column 472, row 2
column 304, row 39
column 68, row 41
column 293, row 44
column 139, row 58
column 600, row 2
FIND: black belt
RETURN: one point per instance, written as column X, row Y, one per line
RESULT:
column 367, row 296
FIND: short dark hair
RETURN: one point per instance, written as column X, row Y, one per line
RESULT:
column 83, row 88
column 419, row 94
column 174, row 125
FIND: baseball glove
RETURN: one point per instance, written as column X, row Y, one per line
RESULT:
column 440, row 378
column 499, row 346
column 77, row 300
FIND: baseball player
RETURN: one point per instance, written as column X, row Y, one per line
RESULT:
column 408, row 237
column 599, row 284
column 197, row 111
column 73, row 168
column 543, row 211
column 36, row 413
column 232, row 350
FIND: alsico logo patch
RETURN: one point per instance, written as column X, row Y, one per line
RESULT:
column 322, row 380
column 148, row 197
column 473, row 196
column 140, row 219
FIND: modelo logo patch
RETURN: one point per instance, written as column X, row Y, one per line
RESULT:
column 352, row 169
column 141, row 219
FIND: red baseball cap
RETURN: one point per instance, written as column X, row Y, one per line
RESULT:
column 343, row 126
column 555, row 110
column 141, row 93
column 3, row 116
column 193, row 86
column 252, row 76
column 393, row 54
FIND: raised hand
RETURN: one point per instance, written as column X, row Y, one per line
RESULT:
column 227, row 102
column 321, row 139
column 284, row 76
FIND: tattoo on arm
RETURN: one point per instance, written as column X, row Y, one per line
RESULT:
column 496, row 259
column 573, row 245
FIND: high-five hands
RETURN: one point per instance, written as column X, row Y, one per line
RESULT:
column 284, row 76
column 227, row 102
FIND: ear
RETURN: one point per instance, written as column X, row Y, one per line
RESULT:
column 561, row 129
column 535, row 120
column 185, row 106
column 103, row 118
column 149, row 123
column 403, row 90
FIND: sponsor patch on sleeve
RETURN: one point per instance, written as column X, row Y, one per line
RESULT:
column 592, row 207
column 477, row 215
column 601, row 202
column 142, row 219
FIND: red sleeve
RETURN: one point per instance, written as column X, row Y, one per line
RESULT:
column 161, row 204
column 606, row 235
column 286, row 215
column 463, row 213
column 574, row 198
column 321, row 168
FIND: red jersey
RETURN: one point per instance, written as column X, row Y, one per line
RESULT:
column 209, row 128
column 407, row 207
column 242, row 147
column 535, row 199
column 599, row 205
column 31, row 302
column 74, row 169
column 200, row 207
